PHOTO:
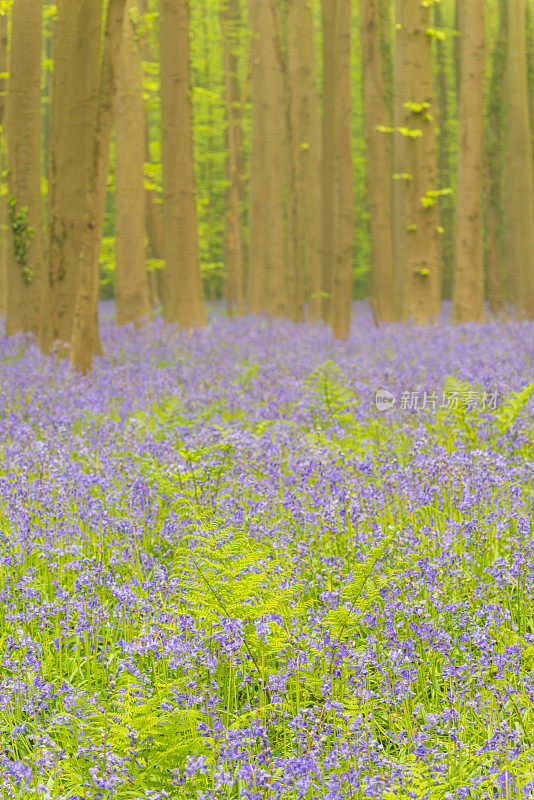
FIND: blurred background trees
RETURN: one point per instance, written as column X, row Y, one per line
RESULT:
column 283, row 156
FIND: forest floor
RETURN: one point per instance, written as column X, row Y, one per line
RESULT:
column 228, row 570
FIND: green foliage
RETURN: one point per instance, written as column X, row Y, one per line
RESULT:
column 108, row 264
column 333, row 398
column 429, row 198
column 362, row 251
column 190, row 574
column 50, row 11
column 409, row 133
column 437, row 33
column 334, row 408
column 458, row 416
column 224, row 572
column 154, row 264
column 512, row 407
column 361, row 594
column 23, row 234
column 469, row 419
column 152, row 177
column 416, row 108
column 140, row 22
column 214, row 274
column 209, row 109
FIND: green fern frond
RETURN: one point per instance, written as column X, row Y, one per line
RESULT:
column 512, row 407
column 331, row 393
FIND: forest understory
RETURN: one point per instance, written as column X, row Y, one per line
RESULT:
column 228, row 570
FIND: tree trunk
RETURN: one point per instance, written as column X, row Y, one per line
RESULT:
column 305, row 130
column 267, row 279
column 153, row 215
column 399, row 166
column 4, row 248
column 76, row 49
column 182, row 284
column 257, row 278
column 385, row 30
column 275, row 143
column 494, row 167
column 468, row 285
column 328, row 213
column 519, row 199
column 421, row 275
column 132, row 301
column 26, row 274
column 530, row 65
column 456, row 52
column 46, row 95
column 85, row 339
column 229, row 19
column 378, row 163
column 293, row 252
column 446, row 205
column 344, row 177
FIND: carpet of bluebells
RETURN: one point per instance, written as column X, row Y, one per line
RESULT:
column 224, row 573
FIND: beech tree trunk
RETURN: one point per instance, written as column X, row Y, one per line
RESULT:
column 421, row 275
column 257, row 278
column 229, row 20
column 305, row 127
column 378, row 162
column 26, row 272
column 267, row 277
column 273, row 168
column 385, row 30
column 530, row 64
column 456, row 51
column 494, row 167
column 446, row 206
column 344, row 177
column 153, row 212
column 85, row 338
column 329, row 127
column 468, row 284
column 293, row 250
column 4, row 249
column 131, row 284
column 207, row 165
column 183, row 296
column 76, row 50
column 46, row 93
column 399, row 165
column 519, row 198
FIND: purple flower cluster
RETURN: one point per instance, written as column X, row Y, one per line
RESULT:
column 181, row 533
